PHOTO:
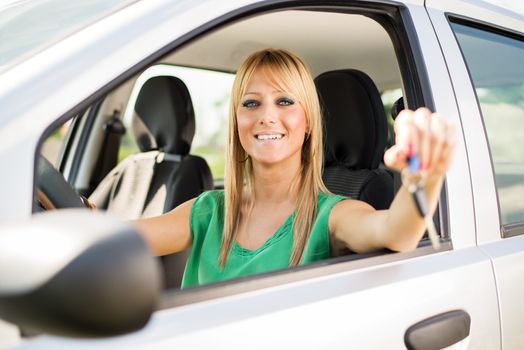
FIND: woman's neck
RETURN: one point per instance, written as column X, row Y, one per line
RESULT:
column 276, row 184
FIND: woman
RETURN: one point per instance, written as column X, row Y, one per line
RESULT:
column 275, row 210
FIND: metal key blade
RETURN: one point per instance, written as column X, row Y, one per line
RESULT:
column 432, row 232
column 415, row 187
column 419, row 196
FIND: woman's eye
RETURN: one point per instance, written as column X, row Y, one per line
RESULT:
column 250, row 104
column 285, row 101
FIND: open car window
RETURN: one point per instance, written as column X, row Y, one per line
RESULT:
column 107, row 135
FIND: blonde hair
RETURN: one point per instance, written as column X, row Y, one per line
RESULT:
column 289, row 74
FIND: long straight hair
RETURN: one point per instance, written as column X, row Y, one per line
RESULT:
column 288, row 73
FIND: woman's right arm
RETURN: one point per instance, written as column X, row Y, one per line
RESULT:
column 167, row 233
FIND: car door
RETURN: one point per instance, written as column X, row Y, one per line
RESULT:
column 484, row 52
column 371, row 302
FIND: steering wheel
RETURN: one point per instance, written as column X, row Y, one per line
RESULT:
column 54, row 192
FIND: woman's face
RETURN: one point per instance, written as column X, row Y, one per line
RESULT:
column 271, row 123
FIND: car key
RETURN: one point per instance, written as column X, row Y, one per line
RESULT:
column 413, row 179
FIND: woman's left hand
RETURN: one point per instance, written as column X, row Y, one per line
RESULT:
column 88, row 203
column 425, row 134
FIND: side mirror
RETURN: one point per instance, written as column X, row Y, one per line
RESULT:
column 76, row 273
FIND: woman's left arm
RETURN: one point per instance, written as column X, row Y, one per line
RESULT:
column 400, row 228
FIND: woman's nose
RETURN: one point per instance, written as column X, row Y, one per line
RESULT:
column 268, row 115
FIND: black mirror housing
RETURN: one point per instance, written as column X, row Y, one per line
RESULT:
column 76, row 273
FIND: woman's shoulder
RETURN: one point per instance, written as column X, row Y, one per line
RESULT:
column 208, row 205
column 325, row 198
column 210, row 198
column 326, row 202
column 212, row 194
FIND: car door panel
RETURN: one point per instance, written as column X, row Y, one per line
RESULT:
column 335, row 311
column 508, row 257
column 506, row 253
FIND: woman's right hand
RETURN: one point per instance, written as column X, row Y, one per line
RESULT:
column 426, row 134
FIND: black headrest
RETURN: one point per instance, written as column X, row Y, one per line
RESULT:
column 354, row 119
column 164, row 118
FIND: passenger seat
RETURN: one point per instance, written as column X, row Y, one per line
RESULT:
column 164, row 174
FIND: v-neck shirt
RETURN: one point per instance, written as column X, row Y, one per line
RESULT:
column 206, row 226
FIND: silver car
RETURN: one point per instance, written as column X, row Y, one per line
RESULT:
column 81, row 81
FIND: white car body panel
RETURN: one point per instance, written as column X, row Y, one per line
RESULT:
column 506, row 253
column 324, row 312
column 488, row 225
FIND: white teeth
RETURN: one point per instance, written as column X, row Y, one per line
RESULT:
column 269, row 137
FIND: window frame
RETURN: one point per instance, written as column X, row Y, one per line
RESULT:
column 396, row 20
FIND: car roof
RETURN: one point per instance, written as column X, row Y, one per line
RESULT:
column 517, row 7
column 306, row 33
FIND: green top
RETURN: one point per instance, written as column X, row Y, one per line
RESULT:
column 207, row 222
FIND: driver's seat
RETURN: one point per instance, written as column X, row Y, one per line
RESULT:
column 356, row 137
column 164, row 174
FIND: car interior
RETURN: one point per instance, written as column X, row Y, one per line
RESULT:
column 148, row 145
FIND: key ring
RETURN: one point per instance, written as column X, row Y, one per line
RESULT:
column 412, row 180
column 411, row 176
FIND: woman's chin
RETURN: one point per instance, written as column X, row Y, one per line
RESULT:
column 273, row 160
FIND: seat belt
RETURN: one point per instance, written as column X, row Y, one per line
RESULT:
column 114, row 129
column 128, row 184
column 156, row 204
column 168, row 157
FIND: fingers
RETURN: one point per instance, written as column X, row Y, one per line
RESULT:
column 395, row 158
column 88, row 203
column 426, row 134
column 403, row 129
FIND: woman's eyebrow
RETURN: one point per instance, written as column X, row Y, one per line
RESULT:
column 259, row 93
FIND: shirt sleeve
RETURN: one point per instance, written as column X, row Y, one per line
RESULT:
column 202, row 210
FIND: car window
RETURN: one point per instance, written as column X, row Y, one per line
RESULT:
column 53, row 146
column 26, row 26
column 389, row 98
column 494, row 61
column 204, row 70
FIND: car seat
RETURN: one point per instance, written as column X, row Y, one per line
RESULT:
column 356, row 135
column 164, row 174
